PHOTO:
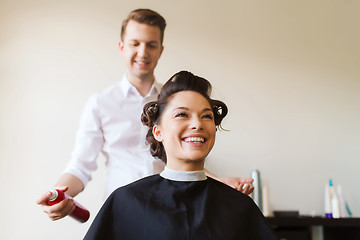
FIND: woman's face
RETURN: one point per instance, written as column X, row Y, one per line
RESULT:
column 187, row 131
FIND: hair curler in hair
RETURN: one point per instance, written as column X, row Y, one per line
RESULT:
column 80, row 213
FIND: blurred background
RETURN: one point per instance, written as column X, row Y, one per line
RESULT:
column 289, row 72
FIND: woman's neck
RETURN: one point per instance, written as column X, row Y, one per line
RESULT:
column 185, row 166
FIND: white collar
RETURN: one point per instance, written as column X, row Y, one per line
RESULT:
column 183, row 176
column 126, row 87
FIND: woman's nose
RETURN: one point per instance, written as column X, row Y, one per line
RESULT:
column 197, row 124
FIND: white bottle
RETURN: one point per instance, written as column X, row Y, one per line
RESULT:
column 265, row 201
column 342, row 202
column 257, row 196
column 335, row 207
column 327, row 198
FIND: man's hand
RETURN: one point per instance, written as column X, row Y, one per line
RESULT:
column 241, row 184
column 59, row 210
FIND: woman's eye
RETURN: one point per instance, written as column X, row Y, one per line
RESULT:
column 208, row 116
column 181, row 115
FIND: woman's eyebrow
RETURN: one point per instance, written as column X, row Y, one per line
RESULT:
column 187, row 109
column 181, row 108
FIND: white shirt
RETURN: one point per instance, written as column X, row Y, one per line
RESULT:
column 110, row 123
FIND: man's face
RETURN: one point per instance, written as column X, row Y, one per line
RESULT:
column 141, row 48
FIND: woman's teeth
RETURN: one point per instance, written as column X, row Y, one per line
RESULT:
column 194, row 139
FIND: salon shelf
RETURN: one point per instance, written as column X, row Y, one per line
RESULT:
column 296, row 228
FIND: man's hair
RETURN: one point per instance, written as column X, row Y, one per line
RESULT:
column 146, row 16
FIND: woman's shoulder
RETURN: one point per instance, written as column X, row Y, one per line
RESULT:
column 228, row 191
column 142, row 185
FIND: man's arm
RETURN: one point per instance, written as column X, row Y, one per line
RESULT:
column 241, row 184
column 74, row 184
column 88, row 144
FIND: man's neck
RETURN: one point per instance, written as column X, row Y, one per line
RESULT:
column 143, row 84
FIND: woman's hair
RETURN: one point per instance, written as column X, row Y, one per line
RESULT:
column 181, row 81
column 146, row 16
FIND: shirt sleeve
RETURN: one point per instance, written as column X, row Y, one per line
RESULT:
column 88, row 142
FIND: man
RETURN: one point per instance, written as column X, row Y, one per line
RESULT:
column 111, row 124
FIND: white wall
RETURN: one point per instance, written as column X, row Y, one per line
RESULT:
column 288, row 70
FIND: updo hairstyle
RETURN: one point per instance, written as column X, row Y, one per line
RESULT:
column 181, row 81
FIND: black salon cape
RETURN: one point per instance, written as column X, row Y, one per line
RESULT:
column 162, row 209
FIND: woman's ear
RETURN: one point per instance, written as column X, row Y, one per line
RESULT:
column 157, row 133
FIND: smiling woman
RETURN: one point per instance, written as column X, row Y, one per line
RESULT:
column 183, row 121
column 187, row 131
column 181, row 202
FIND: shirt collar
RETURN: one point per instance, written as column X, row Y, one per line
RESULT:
column 127, row 88
column 183, row 176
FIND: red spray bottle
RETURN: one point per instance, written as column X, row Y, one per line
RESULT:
column 80, row 213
